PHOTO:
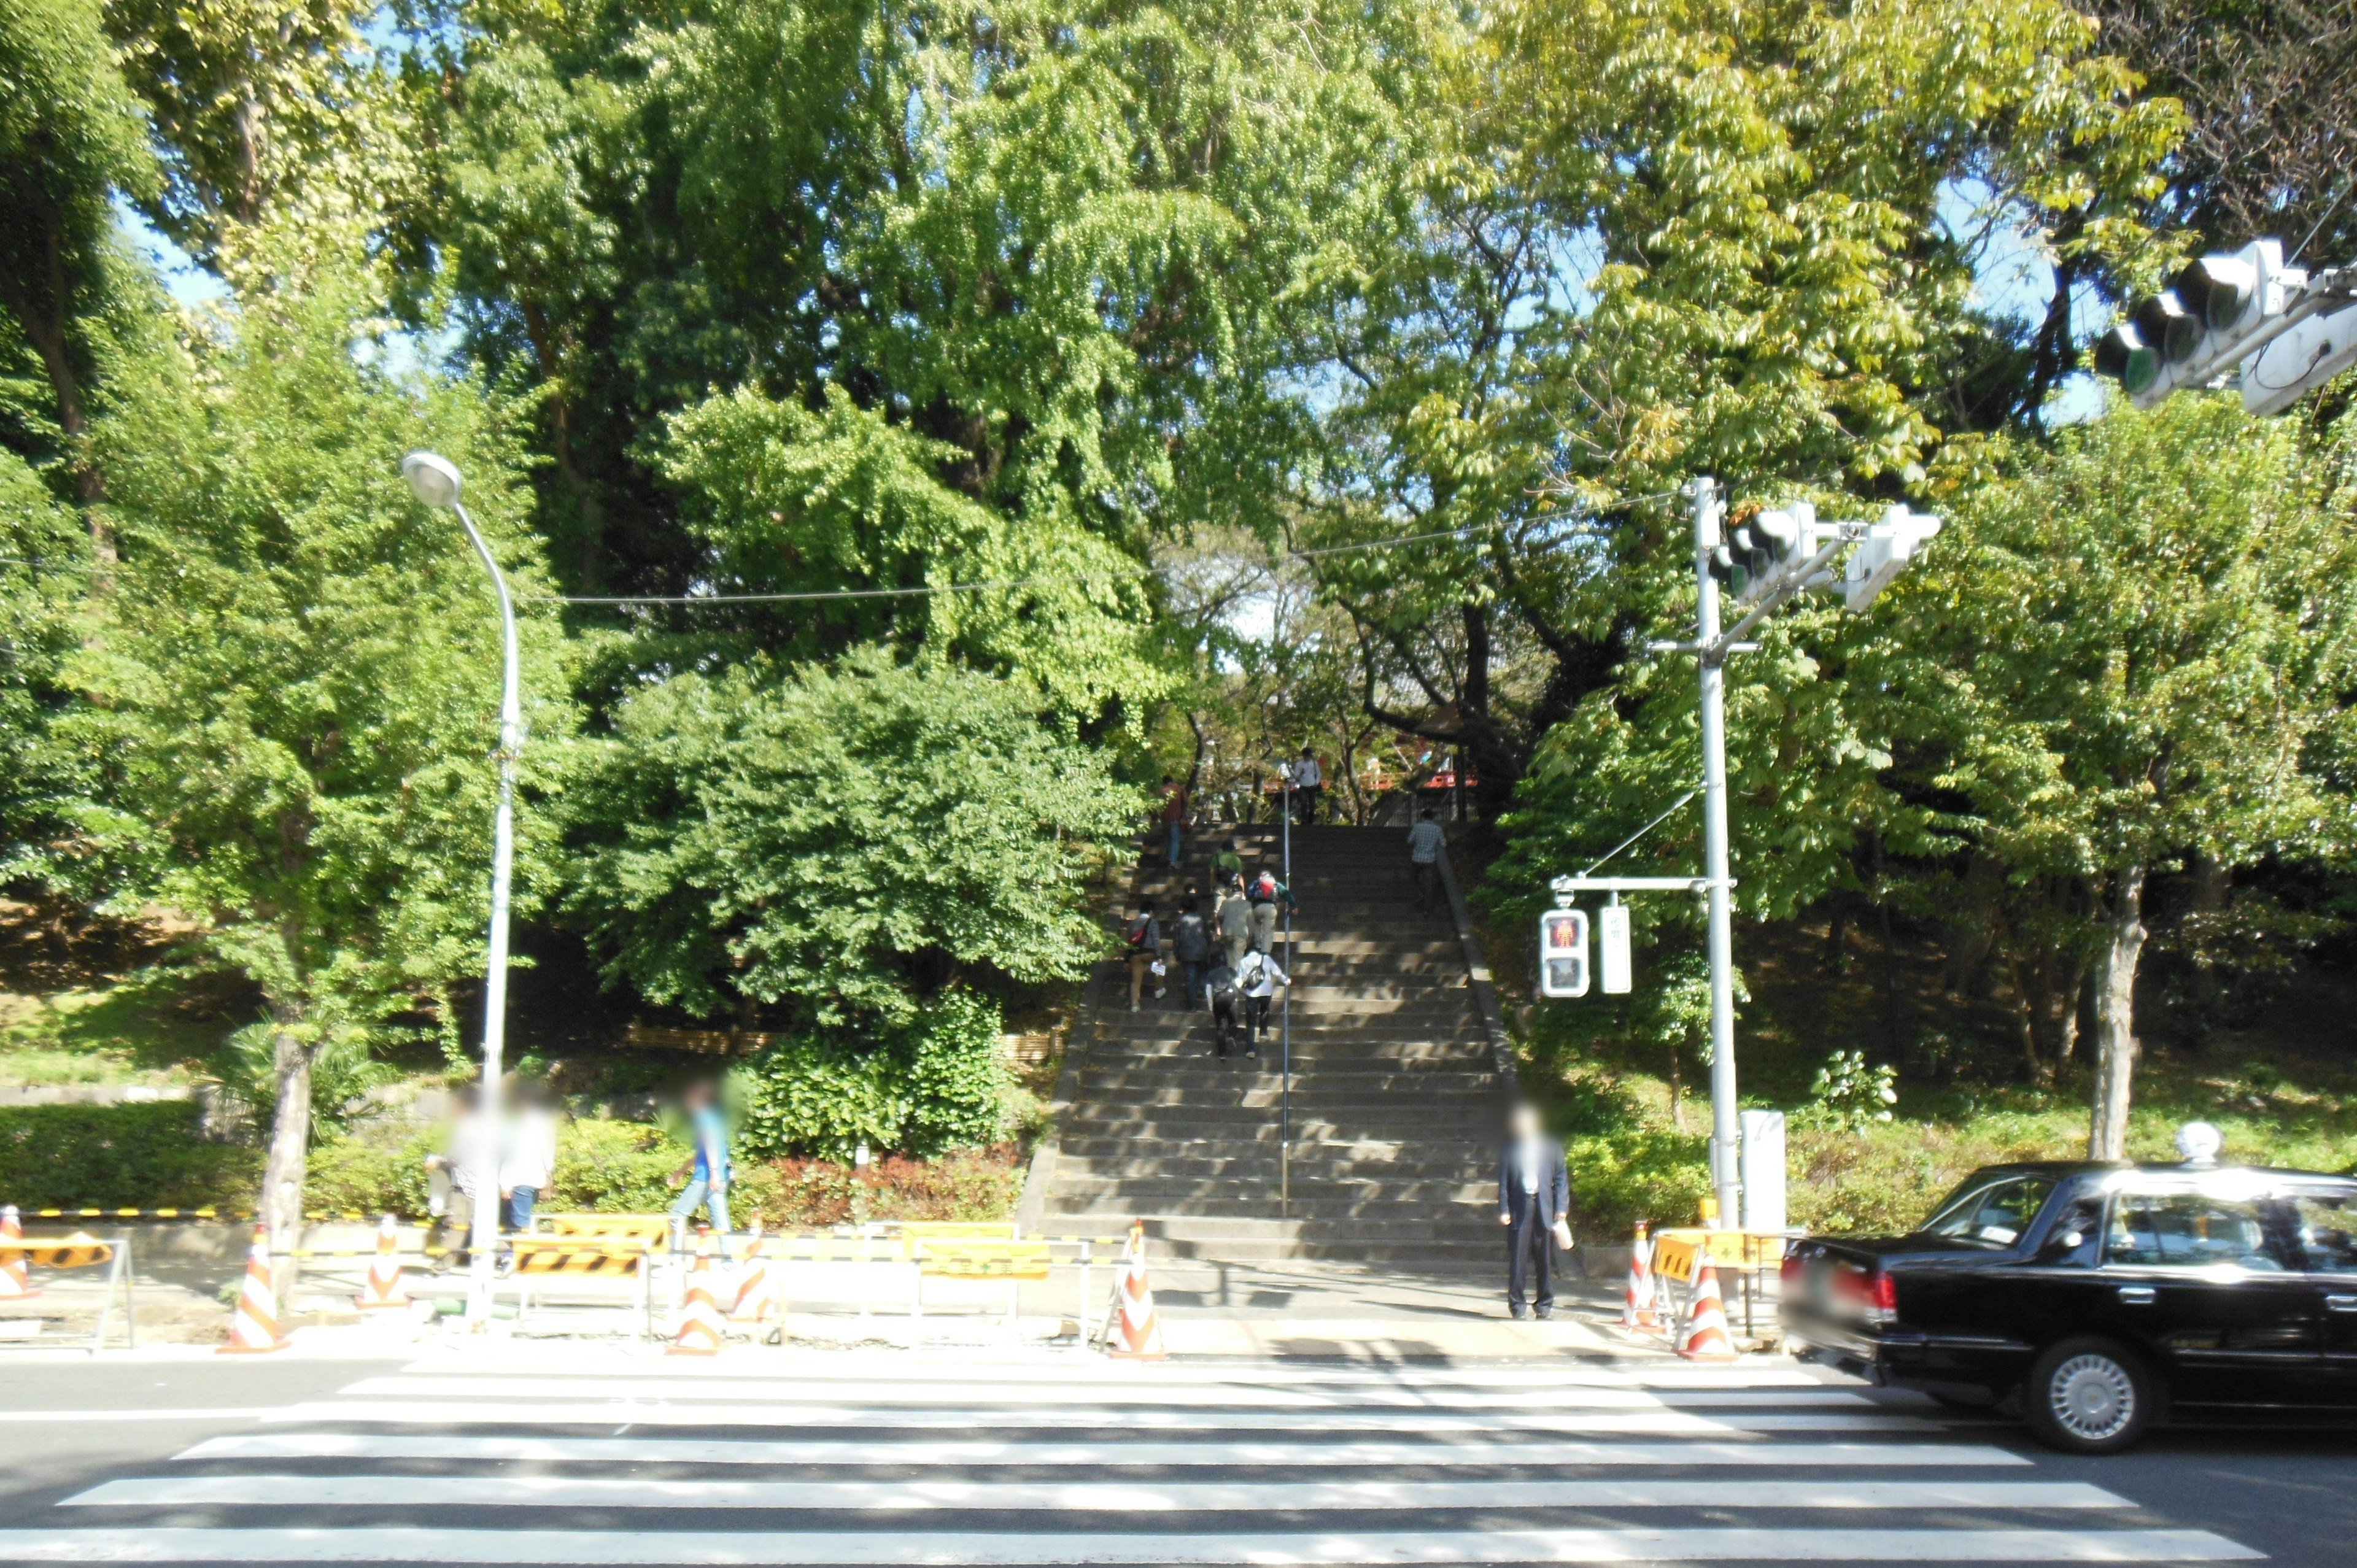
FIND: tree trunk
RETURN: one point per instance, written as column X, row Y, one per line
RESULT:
column 2115, row 1045
column 2029, row 1002
column 290, row 1145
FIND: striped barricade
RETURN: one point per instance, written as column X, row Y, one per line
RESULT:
column 586, row 1270
column 19, row 1254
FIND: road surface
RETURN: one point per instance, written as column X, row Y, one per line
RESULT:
column 527, row 1454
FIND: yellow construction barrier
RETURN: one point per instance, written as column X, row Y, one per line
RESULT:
column 1749, row 1255
column 653, row 1229
column 83, row 1250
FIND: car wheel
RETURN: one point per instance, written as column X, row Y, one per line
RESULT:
column 2088, row 1396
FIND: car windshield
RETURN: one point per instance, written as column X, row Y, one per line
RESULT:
column 1991, row 1211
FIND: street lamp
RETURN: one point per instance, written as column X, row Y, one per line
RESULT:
column 434, row 479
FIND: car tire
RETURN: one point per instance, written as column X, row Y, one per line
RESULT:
column 2088, row 1396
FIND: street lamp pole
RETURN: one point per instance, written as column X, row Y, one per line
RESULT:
column 437, row 483
column 1724, row 1127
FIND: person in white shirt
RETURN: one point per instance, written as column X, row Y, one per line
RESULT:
column 1258, row 979
column 1534, row 1205
column 1309, row 782
column 531, row 1163
column 1424, row 842
column 470, row 1167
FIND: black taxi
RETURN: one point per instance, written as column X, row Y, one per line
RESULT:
column 2106, row 1297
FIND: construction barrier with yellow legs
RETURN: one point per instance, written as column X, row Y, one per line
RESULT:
column 755, row 1298
column 254, row 1327
column 1706, row 1337
column 15, row 1279
column 699, row 1328
column 385, row 1291
column 1136, row 1333
column 1637, row 1314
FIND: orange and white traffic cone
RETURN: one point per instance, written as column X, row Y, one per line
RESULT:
column 753, row 1297
column 15, row 1279
column 1706, row 1338
column 1138, row 1331
column 1637, row 1314
column 384, row 1273
column 699, row 1320
column 254, row 1327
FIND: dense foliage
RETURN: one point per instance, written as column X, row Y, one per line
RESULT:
column 916, row 402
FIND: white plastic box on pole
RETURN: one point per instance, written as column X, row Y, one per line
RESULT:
column 1763, row 1171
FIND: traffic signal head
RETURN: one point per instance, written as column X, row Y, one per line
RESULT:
column 1767, row 543
column 2215, row 310
column 2171, row 331
column 1562, row 953
column 1883, row 553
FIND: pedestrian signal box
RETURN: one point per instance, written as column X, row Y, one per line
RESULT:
column 1562, row 953
column 1612, row 948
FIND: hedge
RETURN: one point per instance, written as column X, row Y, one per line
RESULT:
column 145, row 1155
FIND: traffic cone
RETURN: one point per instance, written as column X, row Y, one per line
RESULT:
column 1140, row 1331
column 753, row 1297
column 16, row 1280
column 254, row 1327
column 1706, row 1338
column 384, row 1273
column 1637, row 1314
column 699, row 1320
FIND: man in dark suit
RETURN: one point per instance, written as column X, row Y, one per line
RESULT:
column 1535, row 1206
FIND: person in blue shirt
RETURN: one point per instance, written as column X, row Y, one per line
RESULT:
column 707, row 1173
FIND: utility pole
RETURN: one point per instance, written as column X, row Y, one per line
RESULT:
column 1725, row 1128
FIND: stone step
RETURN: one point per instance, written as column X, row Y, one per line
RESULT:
column 1359, row 1194
column 1207, row 1072
column 1261, row 1165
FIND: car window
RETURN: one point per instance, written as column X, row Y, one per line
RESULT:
column 1992, row 1214
column 2187, row 1230
column 2328, row 1231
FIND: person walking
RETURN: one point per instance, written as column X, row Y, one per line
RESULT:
column 1174, row 816
column 1534, row 1206
column 465, row 1175
column 1258, row 980
column 1267, row 899
column 1423, row 844
column 1228, row 863
column 530, row 1165
column 1190, row 944
column 708, row 1172
column 1144, row 939
column 1308, row 783
column 1235, row 921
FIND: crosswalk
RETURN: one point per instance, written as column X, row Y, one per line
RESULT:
column 574, row 1454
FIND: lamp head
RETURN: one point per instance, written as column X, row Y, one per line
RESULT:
column 2199, row 1142
column 433, row 478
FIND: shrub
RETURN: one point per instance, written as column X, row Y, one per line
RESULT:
column 934, row 1086
column 148, row 1155
column 1623, row 1176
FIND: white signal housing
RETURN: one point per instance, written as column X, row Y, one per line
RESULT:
column 1883, row 553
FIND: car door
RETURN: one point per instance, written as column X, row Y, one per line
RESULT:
column 2204, row 1280
column 2326, row 1216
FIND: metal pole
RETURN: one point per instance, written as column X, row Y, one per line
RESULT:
column 1723, row 1135
column 495, row 966
column 1285, row 1019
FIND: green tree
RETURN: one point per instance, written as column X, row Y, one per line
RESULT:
column 298, row 684
column 1673, row 238
column 71, row 139
column 2128, row 655
column 841, row 842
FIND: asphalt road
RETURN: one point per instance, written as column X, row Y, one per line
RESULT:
column 530, row 1454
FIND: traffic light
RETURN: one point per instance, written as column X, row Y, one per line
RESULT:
column 1762, row 547
column 1562, row 953
column 1883, row 553
column 2215, row 312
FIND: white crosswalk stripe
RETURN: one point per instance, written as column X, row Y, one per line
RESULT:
column 1036, row 1460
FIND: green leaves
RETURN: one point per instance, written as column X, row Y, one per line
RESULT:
column 843, row 842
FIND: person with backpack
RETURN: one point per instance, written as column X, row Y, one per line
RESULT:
column 1190, row 944
column 1258, row 980
column 1227, row 1005
column 1144, row 939
column 1267, row 898
column 1235, row 921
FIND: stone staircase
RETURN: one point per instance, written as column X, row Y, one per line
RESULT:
column 1396, row 1097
